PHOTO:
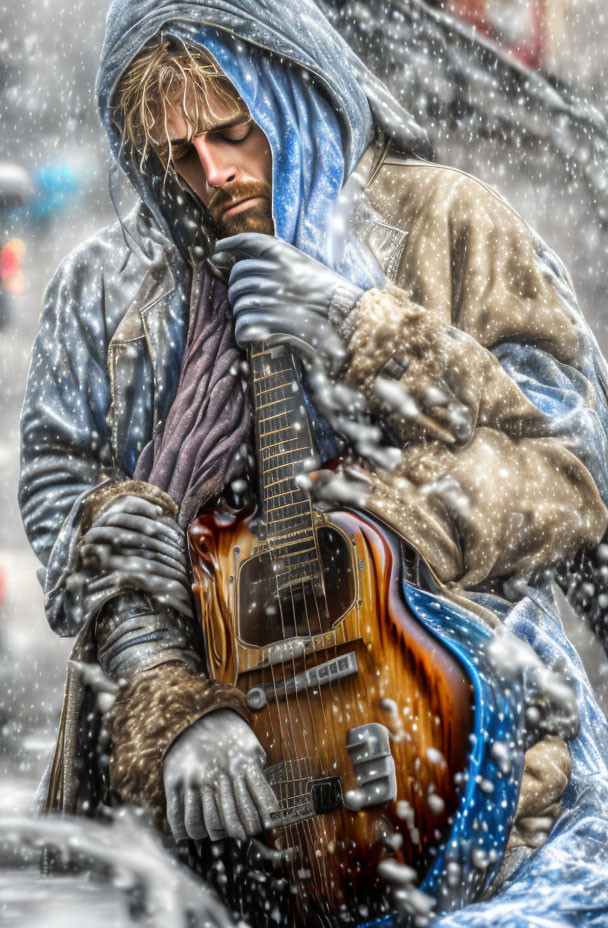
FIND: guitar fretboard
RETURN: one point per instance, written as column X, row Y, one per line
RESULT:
column 285, row 449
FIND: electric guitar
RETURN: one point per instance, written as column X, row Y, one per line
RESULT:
column 303, row 610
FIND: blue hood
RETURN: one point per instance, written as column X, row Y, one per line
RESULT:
column 325, row 107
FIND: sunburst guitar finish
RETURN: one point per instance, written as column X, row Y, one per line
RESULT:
column 309, row 620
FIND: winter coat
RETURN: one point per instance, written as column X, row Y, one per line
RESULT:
column 479, row 328
column 480, row 331
column 474, row 357
column 502, row 462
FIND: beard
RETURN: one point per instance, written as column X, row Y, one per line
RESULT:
column 255, row 218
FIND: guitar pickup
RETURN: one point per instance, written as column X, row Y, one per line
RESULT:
column 326, row 794
column 330, row 671
column 303, row 798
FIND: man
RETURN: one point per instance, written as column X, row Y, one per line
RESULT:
column 418, row 301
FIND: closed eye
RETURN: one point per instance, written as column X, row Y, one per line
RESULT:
column 183, row 148
column 237, row 133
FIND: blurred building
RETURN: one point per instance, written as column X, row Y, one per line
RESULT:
column 518, row 26
column 560, row 37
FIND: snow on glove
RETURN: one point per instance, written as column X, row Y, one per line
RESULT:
column 132, row 545
column 214, row 780
column 279, row 295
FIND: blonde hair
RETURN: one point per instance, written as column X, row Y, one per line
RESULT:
column 167, row 74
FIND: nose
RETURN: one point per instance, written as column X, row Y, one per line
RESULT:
column 216, row 162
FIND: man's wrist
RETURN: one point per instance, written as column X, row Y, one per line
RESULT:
column 133, row 636
column 343, row 301
column 150, row 712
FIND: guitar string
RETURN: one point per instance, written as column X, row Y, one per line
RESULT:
column 329, row 825
column 332, row 683
column 288, row 829
column 282, row 740
column 321, row 700
column 310, row 827
column 307, row 826
column 321, row 629
column 314, row 596
column 320, row 829
column 313, row 591
column 305, row 598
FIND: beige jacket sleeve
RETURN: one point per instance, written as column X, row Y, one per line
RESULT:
column 483, row 489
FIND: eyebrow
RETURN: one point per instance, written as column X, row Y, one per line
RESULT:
column 219, row 126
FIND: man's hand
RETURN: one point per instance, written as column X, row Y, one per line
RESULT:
column 280, row 295
column 133, row 546
column 214, row 780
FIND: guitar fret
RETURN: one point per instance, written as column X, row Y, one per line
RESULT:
column 295, row 489
column 298, row 502
column 287, row 514
column 298, row 515
column 277, row 444
column 296, row 541
column 281, row 480
column 269, row 418
column 279, row 386
column 280, row 399
column 289, row 534
column 300, row 498
column 284, row 428
column 303, row 498
column 269, row 470
column 285, row 370
column 281, row 454
column 313, row 548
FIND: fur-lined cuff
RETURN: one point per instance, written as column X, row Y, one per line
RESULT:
column 149, row 713
column 99, row 500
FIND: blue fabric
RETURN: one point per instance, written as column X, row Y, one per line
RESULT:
column 565, row 883
column 295, row 64
column 563, row 394
column 574, row 399
column 487, row 808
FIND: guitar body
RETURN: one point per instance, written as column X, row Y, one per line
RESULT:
column 327, row 663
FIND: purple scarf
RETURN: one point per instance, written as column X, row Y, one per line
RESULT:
column 203, row 443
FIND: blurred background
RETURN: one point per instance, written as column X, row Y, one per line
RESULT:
column 511, row 90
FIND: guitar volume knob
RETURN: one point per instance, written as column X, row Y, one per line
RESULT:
column 256, row 698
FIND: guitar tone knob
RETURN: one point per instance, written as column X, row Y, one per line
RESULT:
column 256, row 698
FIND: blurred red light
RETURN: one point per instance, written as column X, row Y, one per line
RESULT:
column 10, row 259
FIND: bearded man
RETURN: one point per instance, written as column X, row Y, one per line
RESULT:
column 284, row 200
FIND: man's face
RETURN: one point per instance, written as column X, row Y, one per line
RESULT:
column 227, row 162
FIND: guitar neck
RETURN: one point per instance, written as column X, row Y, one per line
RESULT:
column 285, row 449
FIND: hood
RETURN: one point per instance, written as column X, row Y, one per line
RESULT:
column 334, row 107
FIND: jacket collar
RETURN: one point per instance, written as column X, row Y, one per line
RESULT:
column 156, row 322
column 142, row 316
